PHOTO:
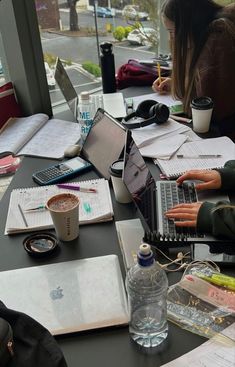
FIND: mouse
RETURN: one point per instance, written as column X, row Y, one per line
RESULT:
column 72, row 151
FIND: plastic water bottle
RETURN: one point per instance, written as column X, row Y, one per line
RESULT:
column 146, row 285
column 86, row 113
column 107, row 67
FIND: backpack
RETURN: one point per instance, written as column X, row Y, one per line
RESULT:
column 33, row 344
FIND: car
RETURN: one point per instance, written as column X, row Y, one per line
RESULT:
column 132, row 12
column 104, row 12
column 143, row 36
column 50, row 76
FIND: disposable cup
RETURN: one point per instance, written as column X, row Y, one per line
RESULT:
column 202, row 108
column 64, row 211
column 121, row 193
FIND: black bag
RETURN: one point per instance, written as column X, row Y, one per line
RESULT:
column 33, row 344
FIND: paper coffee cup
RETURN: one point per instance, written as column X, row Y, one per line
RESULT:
column 63, row 209
column 121, row 193
column 202, row 108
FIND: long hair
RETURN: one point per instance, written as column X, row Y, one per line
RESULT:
column 192, row 20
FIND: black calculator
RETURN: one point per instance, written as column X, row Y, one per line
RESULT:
column 61, row 172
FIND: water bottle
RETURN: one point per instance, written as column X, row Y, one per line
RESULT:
column 146, row 285
column 86, row 113
column 107, row 67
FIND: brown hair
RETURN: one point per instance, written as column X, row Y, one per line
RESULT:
column 193, row 20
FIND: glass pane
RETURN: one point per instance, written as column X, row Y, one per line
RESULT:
column 70, row 30
column 4, row 76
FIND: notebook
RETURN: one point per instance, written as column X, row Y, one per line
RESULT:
column 113, row 103
column 68, row 296
column 146, row 194
column 104, row 143
column 190, row 156
column 93, row 208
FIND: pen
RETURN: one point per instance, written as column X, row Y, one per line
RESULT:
column 159, row 72
column 23, row 216
column 39, row 207
column 181, row 119
column 199, row 156
column 76, row 187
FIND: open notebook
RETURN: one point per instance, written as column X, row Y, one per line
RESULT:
column 93, row 208
column 68, row 296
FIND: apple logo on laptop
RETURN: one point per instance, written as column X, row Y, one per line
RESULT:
column 56, row 293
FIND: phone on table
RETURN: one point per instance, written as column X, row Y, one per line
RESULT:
column 221, row 256
column 61, row 172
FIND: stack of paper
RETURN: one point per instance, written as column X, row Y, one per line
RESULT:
column 93, row 208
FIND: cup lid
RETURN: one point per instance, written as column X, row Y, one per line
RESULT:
column 202, row 103
column 40, row 244
column 116, row 168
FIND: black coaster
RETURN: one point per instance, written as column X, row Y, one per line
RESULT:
column 40, row 244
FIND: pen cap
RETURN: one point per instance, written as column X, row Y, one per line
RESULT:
column 122, row 195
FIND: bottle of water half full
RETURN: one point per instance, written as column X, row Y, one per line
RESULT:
column 146, row 285
column 86, row 112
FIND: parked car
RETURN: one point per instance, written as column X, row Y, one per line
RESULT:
column 132, row 12
column 104, row 12
column 50, row 76
column 143, row 36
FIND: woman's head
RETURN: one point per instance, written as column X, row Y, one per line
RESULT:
column 188, row 23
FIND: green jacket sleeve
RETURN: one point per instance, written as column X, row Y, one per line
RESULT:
column 228, row 175
column 217, row 219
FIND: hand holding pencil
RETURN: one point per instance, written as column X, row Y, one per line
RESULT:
column 162, row 84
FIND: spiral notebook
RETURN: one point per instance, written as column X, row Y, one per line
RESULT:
column 191, row 156
column 93, row 208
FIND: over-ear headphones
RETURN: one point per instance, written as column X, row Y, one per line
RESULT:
column 151, row 112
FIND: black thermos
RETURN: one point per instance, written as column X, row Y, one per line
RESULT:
column 107, row 67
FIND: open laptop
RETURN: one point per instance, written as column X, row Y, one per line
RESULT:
column 113, row 103
column 151, row 198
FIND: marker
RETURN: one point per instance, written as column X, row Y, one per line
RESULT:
column 76, row 187
column 199, row 156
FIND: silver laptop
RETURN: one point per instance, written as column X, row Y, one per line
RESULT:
column 153, row 198
column 68, row 296
column 113, row 103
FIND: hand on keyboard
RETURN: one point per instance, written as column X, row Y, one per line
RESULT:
column 184, row 215
column 210, row 179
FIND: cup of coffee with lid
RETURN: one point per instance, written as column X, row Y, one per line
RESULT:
column 121, row 193
column 63, row 209
column 202, row 108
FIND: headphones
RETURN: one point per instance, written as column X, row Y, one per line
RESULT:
column 151, row 112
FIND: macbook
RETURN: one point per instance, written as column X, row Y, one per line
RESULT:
column 113, row 103
column 153, row 198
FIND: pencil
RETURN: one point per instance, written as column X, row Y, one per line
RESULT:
column 159, row 72
column 23, row 216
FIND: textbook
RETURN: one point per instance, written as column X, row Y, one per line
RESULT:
column 200, row 154
column 38, row 136
column 94, row 207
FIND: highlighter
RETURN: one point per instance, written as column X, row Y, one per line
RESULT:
column 220, row 280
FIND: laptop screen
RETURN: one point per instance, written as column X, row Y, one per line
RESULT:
column 104, row 143
column 141, row 184
column 66, row 87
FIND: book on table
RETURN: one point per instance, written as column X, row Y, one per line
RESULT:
column 38, row 136
column 94, row 207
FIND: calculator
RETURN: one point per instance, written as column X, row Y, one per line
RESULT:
column 61, row 172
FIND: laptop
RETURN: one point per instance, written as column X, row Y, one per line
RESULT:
column 68, row 296
column 113, row 103
column 104, row 143
column 153, row 197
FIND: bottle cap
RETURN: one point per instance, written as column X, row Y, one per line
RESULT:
column 145, row 255
column 106, row 48
column 84, row 95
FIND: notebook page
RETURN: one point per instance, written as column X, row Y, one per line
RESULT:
column 176, row 166
column 94, row 207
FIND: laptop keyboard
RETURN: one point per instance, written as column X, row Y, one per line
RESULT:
column 170, row 195
column 97, row 99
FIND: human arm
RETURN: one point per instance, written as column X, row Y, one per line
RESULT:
column 162, row 85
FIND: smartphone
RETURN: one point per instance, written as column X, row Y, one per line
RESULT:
column 61, row 172
column 224, row 255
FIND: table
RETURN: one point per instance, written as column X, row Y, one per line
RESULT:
column 104, row 347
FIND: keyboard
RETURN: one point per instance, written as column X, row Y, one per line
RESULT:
column 98, row 101
column 169, row 195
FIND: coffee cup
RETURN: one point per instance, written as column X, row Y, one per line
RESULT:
column 63, row 209
column 202, row 108
column 121, row 193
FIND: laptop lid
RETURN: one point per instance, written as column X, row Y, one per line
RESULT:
column 66, row 87
column 104, row 143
